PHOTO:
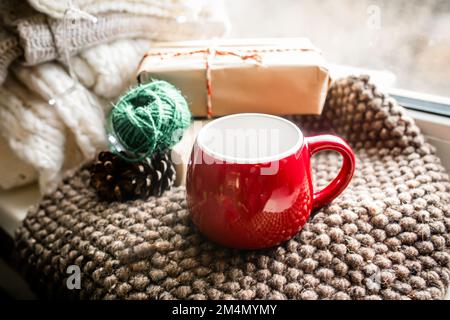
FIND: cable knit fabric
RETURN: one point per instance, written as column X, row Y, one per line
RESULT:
column 79, row 111
column 33, row 131
column 385, row 237
column 110, row 77
column 43, row 38
column 165, row 8
column 9, row 51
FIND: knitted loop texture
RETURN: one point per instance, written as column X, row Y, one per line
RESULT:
column 148, row 118
column 385, row 237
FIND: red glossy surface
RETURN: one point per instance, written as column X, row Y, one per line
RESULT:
column 237, row 206
column 329, row 142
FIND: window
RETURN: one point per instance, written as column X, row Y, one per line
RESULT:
column 409, row 39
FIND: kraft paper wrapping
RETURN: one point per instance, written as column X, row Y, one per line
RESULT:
column 274, row 76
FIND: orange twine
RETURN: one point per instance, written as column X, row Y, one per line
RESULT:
column 209, row 56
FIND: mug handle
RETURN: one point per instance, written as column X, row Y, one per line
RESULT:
column 330, row 142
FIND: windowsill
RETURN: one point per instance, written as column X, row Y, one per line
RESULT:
column 437, row 131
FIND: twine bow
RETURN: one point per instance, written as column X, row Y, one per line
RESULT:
column 71, row 13
column 210, row 54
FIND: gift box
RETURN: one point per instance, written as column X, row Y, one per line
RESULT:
column 275, row 76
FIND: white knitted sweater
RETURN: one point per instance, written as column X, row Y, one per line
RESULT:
column 33, row 130
column 164, row 8
column 51, row 138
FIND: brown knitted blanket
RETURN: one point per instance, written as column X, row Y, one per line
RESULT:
column 385, row 237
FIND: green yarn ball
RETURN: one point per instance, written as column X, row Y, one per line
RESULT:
column 148, row 118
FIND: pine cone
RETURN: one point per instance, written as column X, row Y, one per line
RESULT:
column 163, row 173
column 117, row 179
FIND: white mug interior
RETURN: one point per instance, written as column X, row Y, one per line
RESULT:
column 250, row 138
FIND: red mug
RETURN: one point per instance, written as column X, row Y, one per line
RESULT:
column 249, row 179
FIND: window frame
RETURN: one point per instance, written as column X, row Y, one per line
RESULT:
column 422, row 102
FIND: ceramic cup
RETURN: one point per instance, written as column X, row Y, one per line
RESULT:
column 249, row 181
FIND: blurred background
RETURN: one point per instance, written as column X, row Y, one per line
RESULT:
column 410, row 38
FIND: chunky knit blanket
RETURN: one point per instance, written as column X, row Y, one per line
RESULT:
column 385, row 237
